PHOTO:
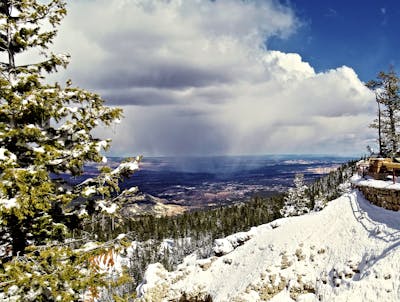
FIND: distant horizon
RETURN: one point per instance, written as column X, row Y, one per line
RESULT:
column 311, row 155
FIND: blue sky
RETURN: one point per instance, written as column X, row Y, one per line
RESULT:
column 360, row 34
column 230, row 76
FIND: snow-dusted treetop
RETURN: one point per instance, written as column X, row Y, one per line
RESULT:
column 45, row 129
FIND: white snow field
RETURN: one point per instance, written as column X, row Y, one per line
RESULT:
column 349, row 251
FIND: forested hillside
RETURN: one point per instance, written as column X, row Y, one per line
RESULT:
column 169, row 239
column 346, row 252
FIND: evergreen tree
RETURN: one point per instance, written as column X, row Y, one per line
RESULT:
column 320, row 202
column 387, row 92
column 45, row 130
column 297, row 201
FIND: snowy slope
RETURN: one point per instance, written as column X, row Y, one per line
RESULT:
column 347, row 252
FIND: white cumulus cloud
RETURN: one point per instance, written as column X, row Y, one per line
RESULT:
column 197, row 77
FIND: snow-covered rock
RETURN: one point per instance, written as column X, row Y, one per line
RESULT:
column 222, row 246
column 226, row 245
column 153, row 279
column 349, row 251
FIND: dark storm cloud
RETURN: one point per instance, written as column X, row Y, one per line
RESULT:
column 190, row 113
column 214, row 95
column 139, row 97
column 169, row 132
column 118, row 99
column 162, row 75
column 153, row 96
column 195, row 78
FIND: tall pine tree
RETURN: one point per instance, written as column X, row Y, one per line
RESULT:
column 45, row 130
column 387, row 92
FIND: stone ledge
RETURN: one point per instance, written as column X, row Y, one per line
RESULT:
column 382, row 197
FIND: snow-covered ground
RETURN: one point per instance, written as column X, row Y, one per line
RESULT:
column 380, row 184
column 347, row 252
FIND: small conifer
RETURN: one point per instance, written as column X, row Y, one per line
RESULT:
column 297, row 201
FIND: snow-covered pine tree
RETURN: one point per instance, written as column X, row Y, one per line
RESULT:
column 296, row 202
column 320, row 202
column 46, row 129
column 387, row 92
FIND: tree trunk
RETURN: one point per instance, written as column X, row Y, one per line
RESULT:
column 379, row 127
column 392, row 124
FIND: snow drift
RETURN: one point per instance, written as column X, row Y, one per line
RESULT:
column 347, row 252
